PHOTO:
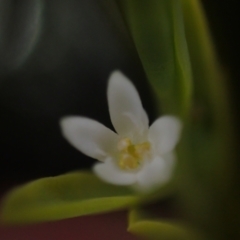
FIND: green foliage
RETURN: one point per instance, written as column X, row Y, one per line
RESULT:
column 175, row 48
column 141, row 224
column 158, row 33
column 208, row 144
column 71, row 195
column 65, row 196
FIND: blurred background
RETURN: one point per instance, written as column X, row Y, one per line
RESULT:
column 55, row 59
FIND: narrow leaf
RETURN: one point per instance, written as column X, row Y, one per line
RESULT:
column 158, row 33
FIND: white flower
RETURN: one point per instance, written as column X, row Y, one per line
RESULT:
column 137, row 154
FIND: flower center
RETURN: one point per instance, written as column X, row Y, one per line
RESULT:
column 132, row 155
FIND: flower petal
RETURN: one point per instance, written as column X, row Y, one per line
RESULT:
column 110, row 173
column 155, row 173
column 170, row 159
column 127, row 114
column 164, row 133
column 89, row 136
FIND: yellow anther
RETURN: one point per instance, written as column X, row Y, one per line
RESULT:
column 131, row 155
column 128, row 162
column 142, row 149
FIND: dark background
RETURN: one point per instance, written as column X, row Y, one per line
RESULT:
column 55, row 59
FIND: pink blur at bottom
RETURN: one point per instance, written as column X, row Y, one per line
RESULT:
column 110, row 226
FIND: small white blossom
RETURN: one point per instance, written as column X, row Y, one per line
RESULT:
column 137, row 155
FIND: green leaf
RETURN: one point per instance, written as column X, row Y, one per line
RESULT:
column 141, row 224
column 71, row 195
column 210, row 118
column 157, row 29
column 65, row 196
column 207, row 148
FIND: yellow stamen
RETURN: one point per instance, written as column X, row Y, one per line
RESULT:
column 131, row 156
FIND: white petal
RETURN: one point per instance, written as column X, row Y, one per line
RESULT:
column 170, row 159
column 155, row 173
column 164, row 133
column 89, row 136
column 127, row 114
column 110, row 173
